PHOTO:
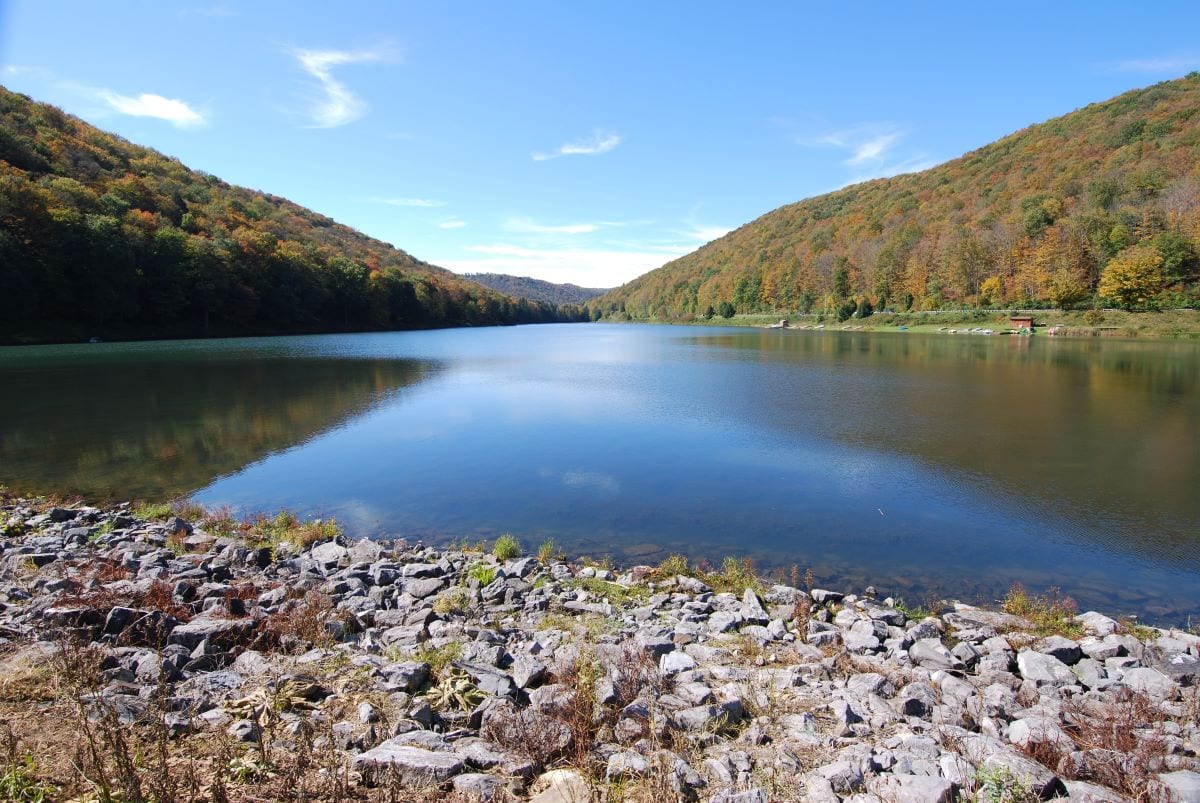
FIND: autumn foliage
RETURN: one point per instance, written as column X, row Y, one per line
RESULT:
column 102, row 237
column 1043, row 217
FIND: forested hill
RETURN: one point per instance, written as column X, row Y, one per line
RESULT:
column 1100, row 205
column 100, row 237
column 536, row 289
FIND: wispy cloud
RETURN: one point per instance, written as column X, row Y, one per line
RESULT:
column 872, row 151
column 13, row 70
column 703, row 234
column 599, row 142
column 336, row 104
column 148, row 104
column 868, row 143
column 428, row 203
column 520, row 225
column 451, row 223
column 1158, row 65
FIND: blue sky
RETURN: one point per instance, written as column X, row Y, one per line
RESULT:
column 574, row 141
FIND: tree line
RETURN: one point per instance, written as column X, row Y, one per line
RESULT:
column 100, row 237
column 1098, row 207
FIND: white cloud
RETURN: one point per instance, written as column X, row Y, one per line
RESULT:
column 520, row 225
column 583, row 253
column 587, row 267
column 1170, row 65
column 704, row 234
column 337, row 105
column 523, row 226
column 146, row 104
column 451, row 223
column 600, row 142
column 428, row 203
column 867, row 143
column 873, row 149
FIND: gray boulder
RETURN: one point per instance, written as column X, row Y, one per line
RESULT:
column 1183, row 786
column 414, row 766
column 1044, row 669
column 899, row 788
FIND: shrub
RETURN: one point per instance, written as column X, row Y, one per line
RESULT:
column 674, row 565
column 506, row 547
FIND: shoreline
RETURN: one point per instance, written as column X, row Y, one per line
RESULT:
column 1167, row 325
column 277, row 660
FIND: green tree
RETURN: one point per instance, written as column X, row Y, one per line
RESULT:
column 1180, row 261
column 1134, row 277
column 841, row 278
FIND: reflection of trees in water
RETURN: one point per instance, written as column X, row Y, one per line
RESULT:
column 167, row 426
column 1106, row 433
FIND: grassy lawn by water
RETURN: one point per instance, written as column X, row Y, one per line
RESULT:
column 1076, row 323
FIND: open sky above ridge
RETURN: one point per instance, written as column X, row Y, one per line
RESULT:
column 574, row 142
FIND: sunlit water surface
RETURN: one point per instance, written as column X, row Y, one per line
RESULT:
column 920, row 464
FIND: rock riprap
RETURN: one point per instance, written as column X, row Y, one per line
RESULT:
column 492, row 680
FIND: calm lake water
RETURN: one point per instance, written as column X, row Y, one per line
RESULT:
column 920, row 464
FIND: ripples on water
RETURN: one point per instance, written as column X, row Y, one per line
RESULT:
column 915, row 463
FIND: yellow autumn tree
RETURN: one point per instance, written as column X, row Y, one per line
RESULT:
column 1134, row 277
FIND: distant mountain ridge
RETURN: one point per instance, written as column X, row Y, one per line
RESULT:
column 102, row 237
column 1100, row 205
column 536, row 289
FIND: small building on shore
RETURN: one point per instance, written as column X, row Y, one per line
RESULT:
column 1021, row 321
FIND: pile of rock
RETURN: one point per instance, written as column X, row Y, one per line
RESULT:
column 556, row 682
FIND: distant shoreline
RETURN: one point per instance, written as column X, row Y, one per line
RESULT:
column 1179, row 324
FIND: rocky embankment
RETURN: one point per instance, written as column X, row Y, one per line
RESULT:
column 343, row 669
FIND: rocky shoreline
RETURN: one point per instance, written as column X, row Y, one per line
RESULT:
column 197, row 660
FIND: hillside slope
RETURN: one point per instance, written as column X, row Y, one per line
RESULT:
column 1100, row 202
column 536, row 289
column 99, row 236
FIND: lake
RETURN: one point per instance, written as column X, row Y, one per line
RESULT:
column 920, row 464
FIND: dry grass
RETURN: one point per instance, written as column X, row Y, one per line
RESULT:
column 1124, row 742
column 298, row 626
column 1051, row 613
column 286, row 527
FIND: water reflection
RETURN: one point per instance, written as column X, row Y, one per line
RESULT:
column 156, row 424
column 1104, row 436
column 913, row 463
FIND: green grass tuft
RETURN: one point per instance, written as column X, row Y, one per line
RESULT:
column 506, row 547
column 736, row 576
column 157, row 512
column 482, row 573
